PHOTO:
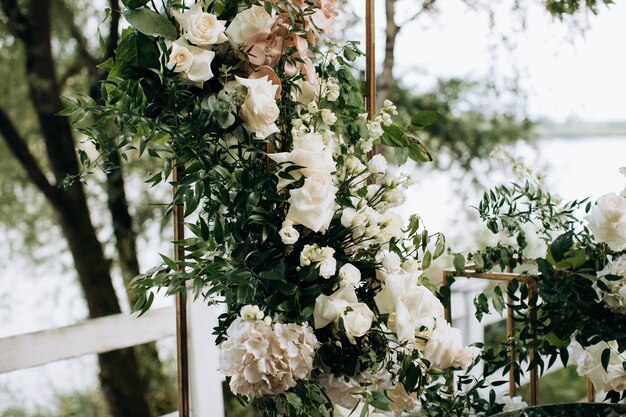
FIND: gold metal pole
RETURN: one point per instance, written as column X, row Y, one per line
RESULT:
column 181, row 307
column 510, row 333
column 370, row 58
column 591, row 392
column 534, row 373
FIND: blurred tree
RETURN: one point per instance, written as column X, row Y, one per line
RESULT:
column 48, row 55
column 473, row 119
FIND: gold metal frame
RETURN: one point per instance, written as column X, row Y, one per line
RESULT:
column 510, row 324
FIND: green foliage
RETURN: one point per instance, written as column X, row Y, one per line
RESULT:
column 562, row 303
column 467, row 129
column 560, row 8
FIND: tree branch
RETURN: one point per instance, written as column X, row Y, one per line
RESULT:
column 17, row 146
column 114, row 27
column 77, row 34
column 426, row 6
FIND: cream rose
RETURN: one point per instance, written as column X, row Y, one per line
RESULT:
column 329, row 307
column 310, row 152
column 357, row 320
column 607, row 221
column 199, row 27
column 614, row 378
column 193, row 63
column 247, row 23
column 328, row 267
column 259, row 110
column 445, row 347
column 350, row 274
column 409, row 304
column 313, row 205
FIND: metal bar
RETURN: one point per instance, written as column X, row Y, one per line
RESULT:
column 591, row 392
column 448, row 309
column 510, row 334
column 534, row 374
column 496, row 276
column 370, row 57
column 181, row 307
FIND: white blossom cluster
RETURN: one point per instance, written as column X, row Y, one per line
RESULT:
column 265, row 358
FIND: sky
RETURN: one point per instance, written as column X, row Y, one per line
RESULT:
column 564, row 71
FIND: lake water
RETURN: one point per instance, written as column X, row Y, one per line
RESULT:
column 38, row 297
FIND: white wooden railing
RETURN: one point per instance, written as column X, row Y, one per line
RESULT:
column 121, row 331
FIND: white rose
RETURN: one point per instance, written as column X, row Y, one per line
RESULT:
column 350, row 274
column 247, row 23
column 249, row 312
column 313, row 205
column 288, row 235
column 193, row 63
column 310, row 152
column 391, row 262
column 607, row 221
column 378, row 164
column 357, row 320
column 259, row 110
column 412, row 305
column 181, row 58
column 328, row 267
column 444, row 346
column 329, row 117
column 329, row 307
column 200, row 27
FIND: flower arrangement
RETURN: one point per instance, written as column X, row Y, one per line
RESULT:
column 578, row 313
column 329, row 311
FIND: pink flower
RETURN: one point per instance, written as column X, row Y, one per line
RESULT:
column 264, row 48
column 304, row 63
column 325, row 17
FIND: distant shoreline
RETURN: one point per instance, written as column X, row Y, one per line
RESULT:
column 546, row 129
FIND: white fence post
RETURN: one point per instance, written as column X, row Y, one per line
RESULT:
column 205, row 381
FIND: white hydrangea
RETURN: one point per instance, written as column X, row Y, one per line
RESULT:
column 266, row 359
column 616, row 299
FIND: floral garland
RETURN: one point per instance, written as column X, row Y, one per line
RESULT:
column 581, row 281
column 329, row 312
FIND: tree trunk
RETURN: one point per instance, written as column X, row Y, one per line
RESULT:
column 119, row 375
column 151, row 369
column 386, row 82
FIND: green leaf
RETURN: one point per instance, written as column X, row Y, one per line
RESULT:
column 459, row 263
column 424, row 118
column 133, row 4
column 497, row 301
column 151, row 23
column 440, row 246
column 418, row 152
column 428, row 257
column 605, row 357
column 380, row 401
column 135, row 51
column 561, row 245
